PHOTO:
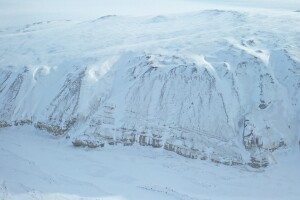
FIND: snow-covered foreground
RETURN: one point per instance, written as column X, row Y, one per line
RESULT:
column 35, row 165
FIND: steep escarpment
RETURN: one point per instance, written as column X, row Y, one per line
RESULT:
column 230, row 98
column 195, row 106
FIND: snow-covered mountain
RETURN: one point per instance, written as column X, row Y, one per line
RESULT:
column 215, row 85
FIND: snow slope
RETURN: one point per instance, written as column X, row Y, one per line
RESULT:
column 19, row 12
column 216, row 85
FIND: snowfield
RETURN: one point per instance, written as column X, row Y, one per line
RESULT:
column 36, row 165
column 197, row 105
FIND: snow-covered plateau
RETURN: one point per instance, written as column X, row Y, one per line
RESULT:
column 201, row 105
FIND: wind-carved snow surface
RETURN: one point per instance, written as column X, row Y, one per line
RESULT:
column 215, row 85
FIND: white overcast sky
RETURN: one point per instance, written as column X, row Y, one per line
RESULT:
column 18, row 12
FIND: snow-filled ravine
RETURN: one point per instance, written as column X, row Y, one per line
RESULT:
column 37, row 165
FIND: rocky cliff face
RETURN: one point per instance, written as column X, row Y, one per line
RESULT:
column 233, row 102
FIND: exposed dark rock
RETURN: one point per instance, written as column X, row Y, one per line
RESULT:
column 276, row 146
column 64, row 106
column 87, row 142
column 10, row 97
column 23, row 122
column 258, row 162
column 263, row 104
column 226, row 161
column 56, row 130
column 188, row 153
column 4, row 124
column 128, row 139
